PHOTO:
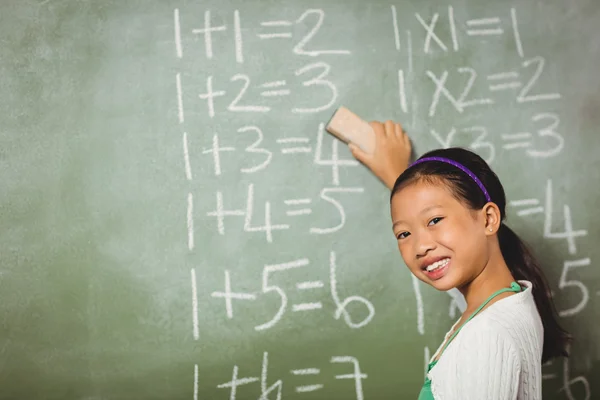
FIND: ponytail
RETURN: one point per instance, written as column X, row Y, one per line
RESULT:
column 523, row 266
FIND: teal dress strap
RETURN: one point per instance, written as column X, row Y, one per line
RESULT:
column 425, row 393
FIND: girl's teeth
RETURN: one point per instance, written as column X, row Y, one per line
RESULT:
column 437, row 264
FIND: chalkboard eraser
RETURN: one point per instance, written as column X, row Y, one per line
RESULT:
column 350, row 128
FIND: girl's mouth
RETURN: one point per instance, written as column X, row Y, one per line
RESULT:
column 438, row 269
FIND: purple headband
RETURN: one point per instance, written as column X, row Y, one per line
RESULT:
column 459, row 166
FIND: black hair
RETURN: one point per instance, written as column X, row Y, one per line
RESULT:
column 519, row 258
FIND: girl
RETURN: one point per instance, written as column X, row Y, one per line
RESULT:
column 447, row 212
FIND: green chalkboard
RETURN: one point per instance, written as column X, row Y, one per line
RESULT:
column 175, row 223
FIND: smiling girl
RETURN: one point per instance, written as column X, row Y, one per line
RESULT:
column 447, row 211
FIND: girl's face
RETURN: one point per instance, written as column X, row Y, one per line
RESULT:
column 441, row 240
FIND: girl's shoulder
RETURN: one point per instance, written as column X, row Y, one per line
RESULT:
column 514, row 318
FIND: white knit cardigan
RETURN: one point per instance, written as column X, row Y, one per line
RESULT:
column 497, row 355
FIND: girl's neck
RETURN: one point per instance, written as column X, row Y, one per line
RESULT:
column 495, row 276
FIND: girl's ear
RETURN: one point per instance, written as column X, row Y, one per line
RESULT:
column 493, row 218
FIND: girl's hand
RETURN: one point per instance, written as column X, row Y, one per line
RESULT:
column 391, row 155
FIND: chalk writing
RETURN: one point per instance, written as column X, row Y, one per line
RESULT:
column 235, row 383
column 271, row 290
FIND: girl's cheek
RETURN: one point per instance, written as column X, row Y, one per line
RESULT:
column 405, row 257
column 403, row 250
column 448, row 235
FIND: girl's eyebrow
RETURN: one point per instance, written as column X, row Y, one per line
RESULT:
column 423, row 211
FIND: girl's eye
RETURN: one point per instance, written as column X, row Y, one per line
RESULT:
column 402, row 235
column 435, row 221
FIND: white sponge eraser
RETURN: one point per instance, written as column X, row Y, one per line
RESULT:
column 349, row 128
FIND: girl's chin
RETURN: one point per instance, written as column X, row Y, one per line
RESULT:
column 445, row 283
column 442, row 287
